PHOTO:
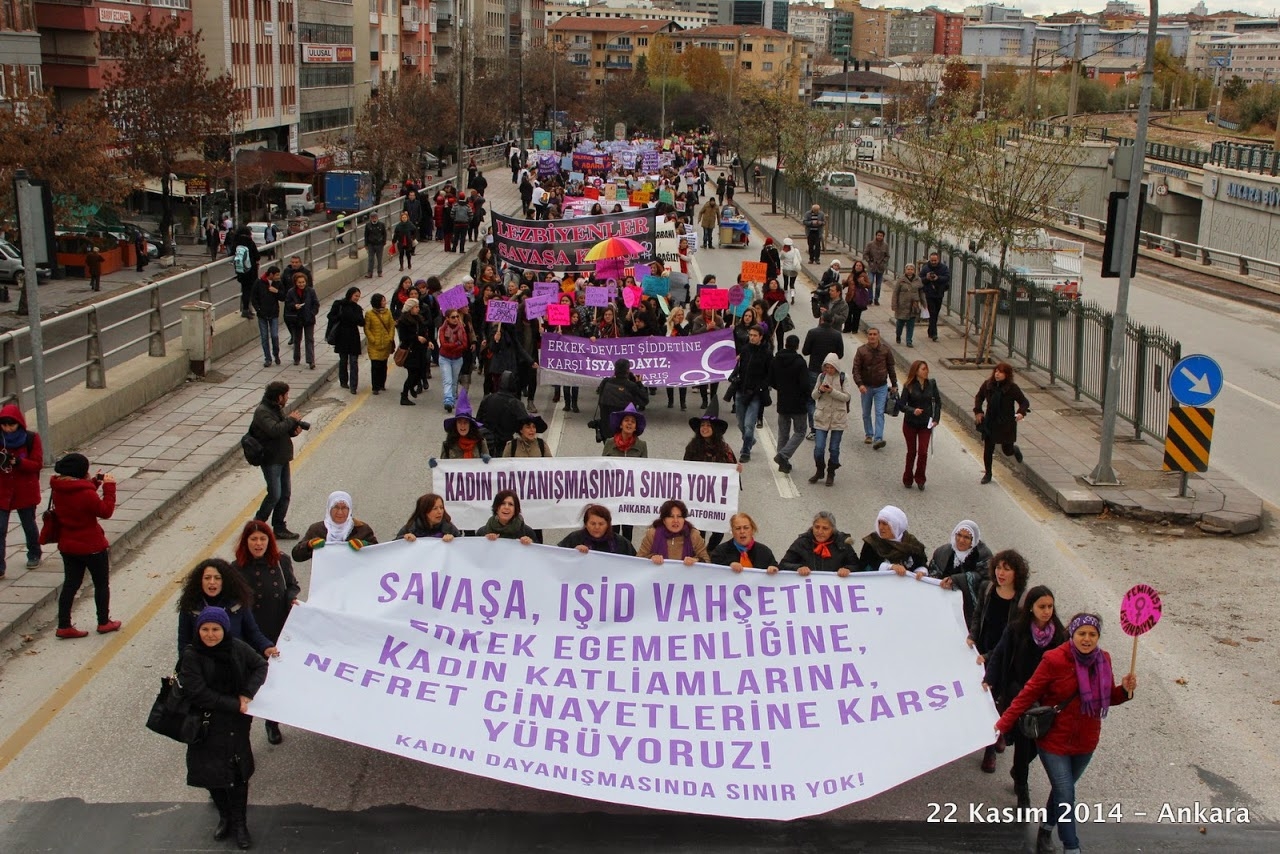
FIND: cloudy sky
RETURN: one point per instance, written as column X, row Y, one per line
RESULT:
column 1262, row 8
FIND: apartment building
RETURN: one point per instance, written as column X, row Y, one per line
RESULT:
column 337, row 70
column 632, row 9
column 602, row 47
column 911, row 33
column 417, row 25
column 948, row 32
column 19, row 50
column 757, row 53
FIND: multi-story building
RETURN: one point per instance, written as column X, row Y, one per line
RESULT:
column 384, row 41
column 870, row 33
column 417, row 24
column 1032, row 38
column 992, row 13
column 444, row 37
column 1254, row 57
column 601, row 47
column 634, row 9
column 812, row 23
column 841, row 42
column 756, row 53
column 504, row 28
column 948, row 32
column 19, row 50
column 711, row 7
column 75, row 39
column 911, row 33
column 771, row 14
column 337, row 71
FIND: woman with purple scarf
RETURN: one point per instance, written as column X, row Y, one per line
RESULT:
column 671, row 537
column 1076, row 676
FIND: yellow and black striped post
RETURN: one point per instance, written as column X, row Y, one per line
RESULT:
column 1187, row 441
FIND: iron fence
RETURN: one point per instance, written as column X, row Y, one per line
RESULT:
column 1066, row 337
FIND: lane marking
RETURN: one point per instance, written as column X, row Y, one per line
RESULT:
column 67, row 691
column 1256, row 397
column 786, row 486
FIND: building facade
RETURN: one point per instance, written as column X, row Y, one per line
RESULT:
column 634, row 9
column 948, row 33
column 417, row 24
column 770, row 14
column 870, row 33
column 19, row 50
column 336, row 71
column 444, row 38
column 602, row 47
column 911, row 34
column 841, row 42
column 812, row 23
column 759, row 54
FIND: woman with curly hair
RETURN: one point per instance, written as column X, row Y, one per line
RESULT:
column 215, row 583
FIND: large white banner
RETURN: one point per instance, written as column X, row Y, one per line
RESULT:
column 553, row 490
column 606, row 677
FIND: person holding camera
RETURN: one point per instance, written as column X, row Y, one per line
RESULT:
column 81, row 540
column 21, row 458
column 275, row 431
column 937, row 281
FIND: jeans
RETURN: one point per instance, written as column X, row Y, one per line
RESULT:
column 375, row 251
column 877, row 279
column 27, row 518
column 449, row 371
column 917, row 453
column 299, row 332
column 874, row 398
column 791, row 429
column 348, row 371
column 269, row 335
column 279, row 490
column 820, row 438
column 706, row 238
column 910, row 325
column 935, row 309
column 460, row 238
column 813, row 404
column 748, row 412
column 73, row 570
column 378, row 374
column 1063, row 773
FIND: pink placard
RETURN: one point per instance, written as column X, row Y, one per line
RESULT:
column 631, row 297
column 558, row 314
column 710, row 299
column 1140, row 610
column 736, row 293
column 501, row 311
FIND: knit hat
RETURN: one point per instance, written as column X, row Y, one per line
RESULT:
column 214, row 615
column 410, row 303
column 72, row 465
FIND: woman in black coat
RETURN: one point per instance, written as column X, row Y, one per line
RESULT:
column 597, row 534
column 414, row 336
column 921, row 408
column 1006, row 405
column 346, row 319
column 429, row 520
column 221, row 674
column 1034, row 630
column 269, row 574
column 822, row 548
column 744, row 551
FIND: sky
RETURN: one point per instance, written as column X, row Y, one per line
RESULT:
column 1259, row 8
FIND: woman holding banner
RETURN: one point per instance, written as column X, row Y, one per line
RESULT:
column 597, row 534
column 822, row 548
column 506, row 523
column 744, row 551
column 677, row 328
column 671, row 537
column 1078, row 677
column 429, row 520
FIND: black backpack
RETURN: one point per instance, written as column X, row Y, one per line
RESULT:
column 254, row 452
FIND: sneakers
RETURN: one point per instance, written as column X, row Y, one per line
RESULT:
column 531, row 409
column 867, row 441
column 108, row 627
column 70, row 633
column 784, row 465
column 285, row 534
column 32, row 563
column 878, row 444
column 744, row 457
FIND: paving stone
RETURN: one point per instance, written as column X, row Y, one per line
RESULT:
column 1228, row 522
column 15, row 594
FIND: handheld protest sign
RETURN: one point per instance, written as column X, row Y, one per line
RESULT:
column 713, row 299
column 536, row 306
column 754, row 271
column 502, row 311
column 662, row 302
column 631, row 297
column 782, row 312
column 597, row 297
column 558, row 314
column 454, row 299
column 736, row 294
column 1140, row 610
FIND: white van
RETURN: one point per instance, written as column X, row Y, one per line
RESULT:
column 842, row 185
column 295, row 197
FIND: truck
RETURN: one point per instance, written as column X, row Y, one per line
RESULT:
column 1053, row 263
column 347, row 191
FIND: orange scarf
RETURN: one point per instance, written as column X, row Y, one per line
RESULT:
column 468, row 447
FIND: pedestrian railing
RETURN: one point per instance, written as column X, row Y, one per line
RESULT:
column 80, row 347
column 1059, row 333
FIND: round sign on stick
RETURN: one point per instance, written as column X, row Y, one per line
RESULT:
column 1140, row 610
column 736, row 293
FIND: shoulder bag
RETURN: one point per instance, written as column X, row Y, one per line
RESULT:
column 50, row 526
column 172, row 716
column 1036, row 721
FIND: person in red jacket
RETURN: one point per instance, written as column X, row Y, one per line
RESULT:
column 21, row 458
column 1077, row 677
column 82, row 541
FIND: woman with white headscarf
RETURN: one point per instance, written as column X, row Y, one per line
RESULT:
column 339, row 525
column 891, row 547
column 965, row 553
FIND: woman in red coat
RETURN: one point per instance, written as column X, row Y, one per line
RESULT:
column 82, row 542
column 1077, row 676
column 21, row 458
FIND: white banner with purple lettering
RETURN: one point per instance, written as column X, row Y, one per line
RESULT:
column 607, row 677
column 553, row 490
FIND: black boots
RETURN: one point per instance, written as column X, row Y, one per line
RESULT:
column 1024, row 795
column 239, row 796
column 831, row 473
column 817, row 475
column 222, row 800
column 405, row 401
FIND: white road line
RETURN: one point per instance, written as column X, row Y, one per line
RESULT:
column 786, row 486
column 1256, row 397
column 556, row 430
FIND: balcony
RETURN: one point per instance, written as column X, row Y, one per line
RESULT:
column 619, row 48
column 618, row 64
column 374, row 18
column 580, row 61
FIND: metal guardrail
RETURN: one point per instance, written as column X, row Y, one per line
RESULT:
column 92, row 340
column 1068, row 338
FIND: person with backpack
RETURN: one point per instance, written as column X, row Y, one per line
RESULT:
column 461, row 224
column 526, row 442
column 244, row 260
column 403, row 239
column 346, row 319
column 274, row 432
column 830, row 418
column 21, row 458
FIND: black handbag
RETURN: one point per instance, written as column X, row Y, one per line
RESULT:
column 172, row 716
column 893, row 405
column 1036, row 721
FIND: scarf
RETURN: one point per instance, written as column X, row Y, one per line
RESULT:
column 900, row 551
column 604, row 544
column 822, row 549
column 16, row 439
column 897, row 521
column 339, row 533
column 1093, row 673
column 744, row 552
column 972, row 528
column 661, row 536
column 467, row 444
column 1044, row 636
column 513, row 530
column 624, row 443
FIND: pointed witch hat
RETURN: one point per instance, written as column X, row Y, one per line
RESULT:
column 462, row 410
column 712, row 416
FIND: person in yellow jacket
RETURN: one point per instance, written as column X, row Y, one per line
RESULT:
column 380, row 339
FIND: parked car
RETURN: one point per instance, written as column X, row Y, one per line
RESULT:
column 877, row 121
column 856, row 123
column 11, row 267
column 259, row 232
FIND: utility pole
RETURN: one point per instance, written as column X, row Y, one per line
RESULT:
column 1075, row 81
column 1031, row 84
column 1103, row 474
column 462, row 86
column 32, row 226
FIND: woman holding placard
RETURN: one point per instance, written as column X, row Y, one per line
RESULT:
column 1075, row 679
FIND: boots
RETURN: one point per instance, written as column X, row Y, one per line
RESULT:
column 831, row 473
column 223, row 802
column 817, row 475
column 1024, row 795
column 239, row 796
column 405, row 401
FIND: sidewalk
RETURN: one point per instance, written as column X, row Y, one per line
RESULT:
column 1060, row 439
column 158, row 454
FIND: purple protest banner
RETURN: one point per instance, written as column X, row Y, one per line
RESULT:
column 672, row 362
column 536, row 305
column 454, row 299
column 597, row 297
column 640, row 271
column 501, row 311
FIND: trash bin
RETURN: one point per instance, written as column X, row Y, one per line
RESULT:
column 197, row 336
column 726, row 235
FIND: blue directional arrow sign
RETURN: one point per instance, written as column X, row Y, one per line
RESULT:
column 1195, row 381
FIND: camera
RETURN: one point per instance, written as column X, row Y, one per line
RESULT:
column 304, row 425
column 97, row 478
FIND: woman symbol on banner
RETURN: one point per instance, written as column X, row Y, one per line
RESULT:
column 1140, row 610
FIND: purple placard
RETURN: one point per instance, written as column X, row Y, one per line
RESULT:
column 640, row 271
column 679, row 361
column 597, row 297
column 736, row 293
column 502, row 311
column 453, row 299
column 536, row 305
column 543, row 289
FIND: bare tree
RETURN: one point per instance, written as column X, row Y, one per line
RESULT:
column 937, row 163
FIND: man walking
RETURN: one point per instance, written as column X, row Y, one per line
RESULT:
column 375, row 244
column 814, row 223
column 275, row 431
column 819, row 342
column 874, row 374
column 461, row 224
column 936, row 281
column 267, row 296
column 876, row 257
column 789, row 376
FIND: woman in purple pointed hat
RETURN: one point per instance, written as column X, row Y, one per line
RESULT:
column 463, row 439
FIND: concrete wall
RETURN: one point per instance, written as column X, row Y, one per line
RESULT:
column 1241, row 212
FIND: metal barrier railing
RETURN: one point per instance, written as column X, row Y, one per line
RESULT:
column 88, row 342
column 1068, row 338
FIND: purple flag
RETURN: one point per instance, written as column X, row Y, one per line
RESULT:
column 658, row 361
